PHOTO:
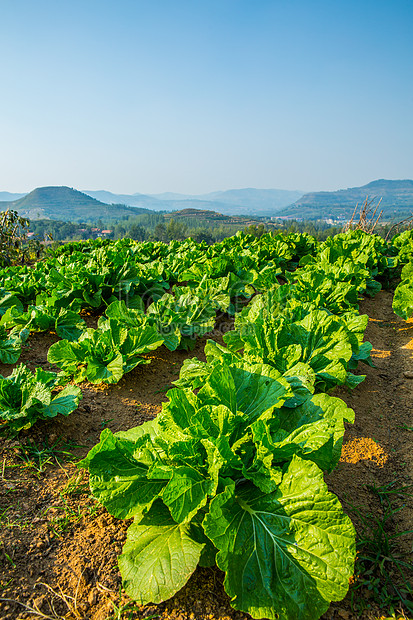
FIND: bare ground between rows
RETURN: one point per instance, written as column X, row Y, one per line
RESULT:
column 58, row 552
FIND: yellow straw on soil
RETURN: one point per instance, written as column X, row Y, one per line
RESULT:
column 380, row 353
column 363, row 449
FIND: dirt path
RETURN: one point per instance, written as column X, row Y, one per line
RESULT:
column 377, row 449
column 58, row 549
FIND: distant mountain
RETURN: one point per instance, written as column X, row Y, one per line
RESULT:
column 132, row 200
column 248, row 201
column 174, row 196
column 67, row 204
column 261, row 201
column 64, row 203
column 7, row 196
column 396, row 201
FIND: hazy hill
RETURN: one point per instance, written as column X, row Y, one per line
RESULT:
column 259, row 201
column 132, row 200
column 205, row 217
column 397, row 200
column 248, row 201
column 209, row 205
column 64, row 203
column 8, row 196
column 197, row 214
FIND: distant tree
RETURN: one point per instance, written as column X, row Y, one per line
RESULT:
column 176, row 230
column 255, row 230
column 68, row 230
column 138, row 233
column 293, row 228
column 202, row 235
column 160, row 232
column 119, row 231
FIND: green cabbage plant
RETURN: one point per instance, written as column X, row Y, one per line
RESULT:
column 230, row 476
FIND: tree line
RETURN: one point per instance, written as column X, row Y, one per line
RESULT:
column 155, row 227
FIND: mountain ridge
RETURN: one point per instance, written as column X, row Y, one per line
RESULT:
column 246, row 201
column 66, row 203
column 396, row 197
column 69, row 204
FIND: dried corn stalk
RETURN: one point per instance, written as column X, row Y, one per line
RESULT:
column 364, row 217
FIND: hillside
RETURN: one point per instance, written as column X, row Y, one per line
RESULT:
column 211, row 217
column 197, row 214
column 65, row 203
column 396, row 201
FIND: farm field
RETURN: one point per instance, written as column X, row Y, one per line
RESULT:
column 59, row 549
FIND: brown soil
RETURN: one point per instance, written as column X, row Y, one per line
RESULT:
column 58, row 549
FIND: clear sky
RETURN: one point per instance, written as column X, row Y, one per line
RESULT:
column 193, row 96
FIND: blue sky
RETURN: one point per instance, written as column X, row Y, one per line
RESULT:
column 199, row 95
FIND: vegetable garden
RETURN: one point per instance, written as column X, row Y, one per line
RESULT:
column 269, row 342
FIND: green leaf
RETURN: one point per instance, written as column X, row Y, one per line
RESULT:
column 193, row 373
column 125, row 314
column 108, row 351
column 69, row 325
column 253, row 389
column 26, row 397
column 97, row 372
column 301, row 378
column 353, row 381
column 117, row 479
column 10, row 348
column 186, row 493
column 220, row 387
column 8, row 300
column 176, row 416
column 403, row 299
column 286, row 554
column 313, row 431
column 259, row 389
column 159, row 556
column 66, row 355
column 363, row 355
column 64, row 403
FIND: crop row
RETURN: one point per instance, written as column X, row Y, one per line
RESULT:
column 231, row 471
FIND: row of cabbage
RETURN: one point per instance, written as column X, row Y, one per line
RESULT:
column 51, row 295
column 403, row 295
column 231, row 471
column 129, row 281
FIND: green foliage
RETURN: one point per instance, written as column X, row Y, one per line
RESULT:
column 182, row 318
column 46, row 316
column 105, row 354
column 403, row 295
column 231, row 470
column 11, row 345
column 13, row 231
column 277, row 328
column 403, row 299
column 26, row 397
column 218, row 470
